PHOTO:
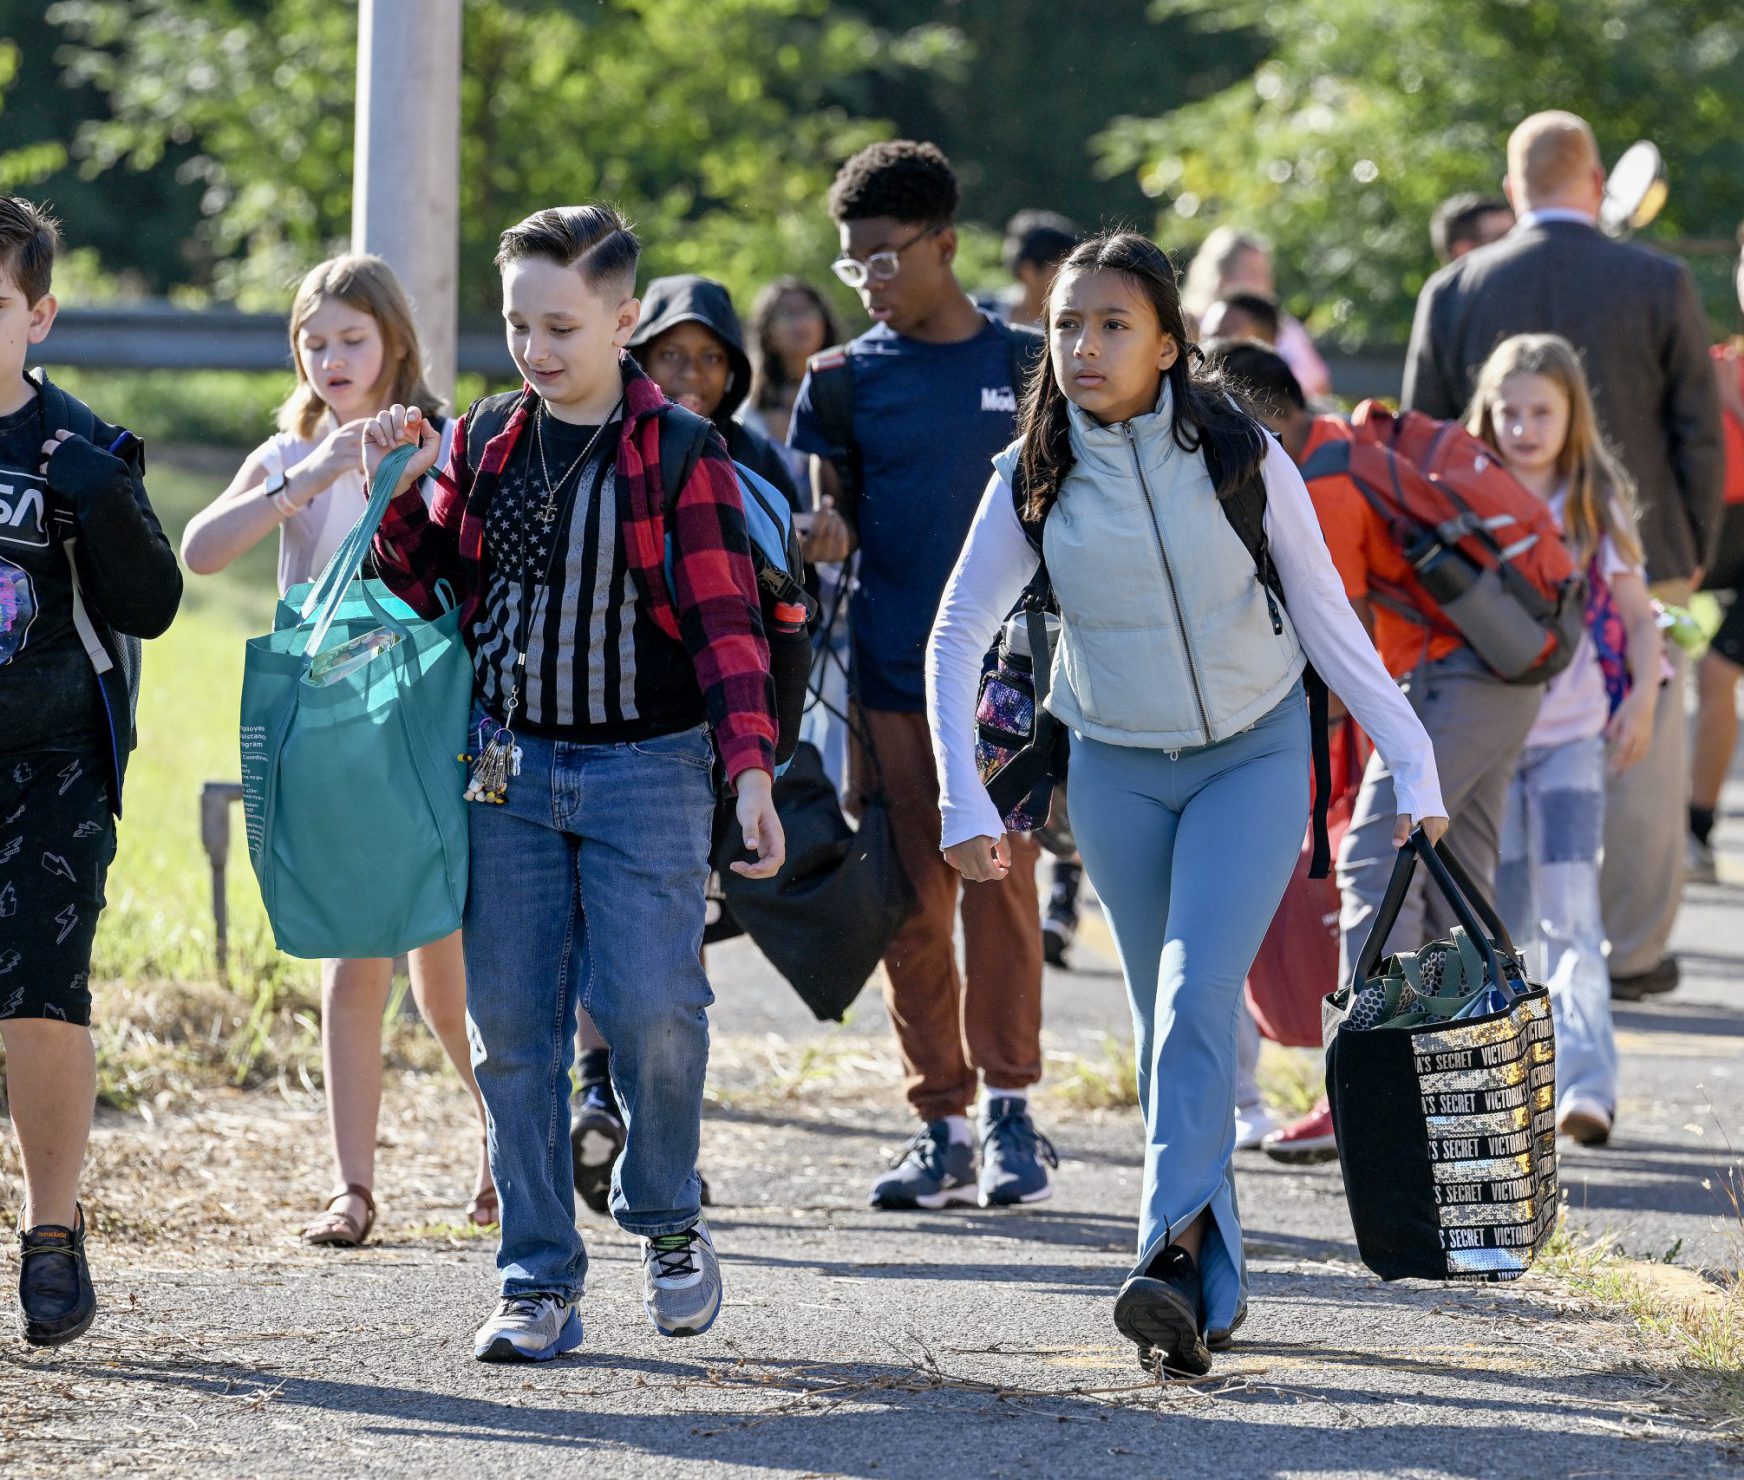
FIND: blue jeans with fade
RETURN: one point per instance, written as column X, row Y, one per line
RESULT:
column 1548, row 893
column 587, row 889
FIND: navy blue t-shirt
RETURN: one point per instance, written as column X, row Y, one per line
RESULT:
column 928, row 419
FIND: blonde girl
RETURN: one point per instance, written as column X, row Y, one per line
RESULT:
column 1533, row 406
column 354, row 345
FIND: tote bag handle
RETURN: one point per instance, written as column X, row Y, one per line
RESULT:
column 334, row 581
column 1473, row 911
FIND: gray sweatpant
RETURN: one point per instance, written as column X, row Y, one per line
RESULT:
column 1646, row 819
column 1478, row 726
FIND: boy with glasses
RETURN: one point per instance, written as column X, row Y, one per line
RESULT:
column 902, row 423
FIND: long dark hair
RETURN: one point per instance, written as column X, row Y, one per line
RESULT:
column 769, row 378
column 1207, row 414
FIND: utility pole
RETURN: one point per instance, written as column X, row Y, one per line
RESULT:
column 405, row 202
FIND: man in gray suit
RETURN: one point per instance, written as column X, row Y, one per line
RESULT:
column 1634, row 315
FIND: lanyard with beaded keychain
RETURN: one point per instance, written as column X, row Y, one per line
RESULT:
column 501, row 756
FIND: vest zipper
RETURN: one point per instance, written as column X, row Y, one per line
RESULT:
column 1169, row 575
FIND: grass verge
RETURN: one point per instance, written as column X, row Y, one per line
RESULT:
column 1685, row 1321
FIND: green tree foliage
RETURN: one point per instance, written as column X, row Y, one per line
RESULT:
column 1367, row 113
column 1022, row 87
column 714, row 125
column 144, row 236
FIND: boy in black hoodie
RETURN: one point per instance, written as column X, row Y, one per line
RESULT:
column 85, row 571
column 690, row 343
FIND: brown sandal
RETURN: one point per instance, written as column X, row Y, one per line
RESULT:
column 334, row 1229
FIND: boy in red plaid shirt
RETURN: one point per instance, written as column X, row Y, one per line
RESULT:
column 605, row 690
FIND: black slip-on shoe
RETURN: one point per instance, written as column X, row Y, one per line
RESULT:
column 1158, row 1311
column 1656, row 981
column 55, row 1298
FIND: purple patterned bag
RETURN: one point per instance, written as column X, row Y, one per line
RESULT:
column 1610, row 637
column 1019, row 746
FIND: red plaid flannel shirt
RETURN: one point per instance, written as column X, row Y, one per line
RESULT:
column 717, row 616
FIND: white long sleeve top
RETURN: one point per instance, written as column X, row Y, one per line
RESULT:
column 998, row 562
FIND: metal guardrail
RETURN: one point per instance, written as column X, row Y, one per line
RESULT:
column 158, row 336
column 154, row 335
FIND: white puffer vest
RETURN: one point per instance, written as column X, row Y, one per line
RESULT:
column 1166, row 638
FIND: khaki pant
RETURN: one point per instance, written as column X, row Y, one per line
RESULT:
column 950, row 1024
column 1646, row 818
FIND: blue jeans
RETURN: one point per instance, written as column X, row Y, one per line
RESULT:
column 1548, row 890
column 1190, row 851
column 587, row 889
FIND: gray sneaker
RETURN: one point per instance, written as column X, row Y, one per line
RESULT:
column 529, row 1328
column 931, row 1171
column 681, row 1281
column 1699, row 862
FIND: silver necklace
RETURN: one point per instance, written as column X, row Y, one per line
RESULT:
column 548, row 514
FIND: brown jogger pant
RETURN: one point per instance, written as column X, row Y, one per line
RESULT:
column 948, row 1028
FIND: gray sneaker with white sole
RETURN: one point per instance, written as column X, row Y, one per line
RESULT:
column 681, row 1281
column 529, row 1328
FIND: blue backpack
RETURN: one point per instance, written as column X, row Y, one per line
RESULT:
column 789, row 611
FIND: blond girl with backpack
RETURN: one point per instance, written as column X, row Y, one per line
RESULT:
column 1533, row 405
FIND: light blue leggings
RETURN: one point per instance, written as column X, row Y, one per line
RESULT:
column 1190, row 852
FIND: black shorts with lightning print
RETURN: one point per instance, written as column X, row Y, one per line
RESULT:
column 57, row 838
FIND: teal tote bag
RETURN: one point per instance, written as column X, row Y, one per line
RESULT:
column 353, row 715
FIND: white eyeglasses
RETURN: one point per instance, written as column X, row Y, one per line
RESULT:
column 880, row 266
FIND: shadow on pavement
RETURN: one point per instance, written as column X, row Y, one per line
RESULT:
column 875, row 1419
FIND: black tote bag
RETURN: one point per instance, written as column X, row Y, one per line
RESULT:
column 825, row 919
column 1447, row 1130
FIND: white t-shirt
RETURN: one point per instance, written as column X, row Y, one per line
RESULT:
column 309, row 537
column 1575, row 705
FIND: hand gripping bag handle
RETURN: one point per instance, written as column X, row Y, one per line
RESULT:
column 1458, row 889
column 347, row 560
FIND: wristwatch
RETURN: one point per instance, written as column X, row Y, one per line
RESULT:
column 274, row 490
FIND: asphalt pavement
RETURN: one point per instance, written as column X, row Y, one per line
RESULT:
column 961, row 1344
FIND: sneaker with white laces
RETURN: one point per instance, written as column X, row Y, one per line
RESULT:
column 1253, row 1123
column 529, row 1328
column 931, row 1171
column 681, row 1281
column 1015, row 1156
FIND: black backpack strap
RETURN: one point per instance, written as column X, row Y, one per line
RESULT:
column 1320, row 743
column 683, row 435
column 1246, row 511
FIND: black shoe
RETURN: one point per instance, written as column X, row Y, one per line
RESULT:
column 596, row 1140
column 54, row 1283
column 1058, row 932
column 1158, row 1311
column 1653, row 982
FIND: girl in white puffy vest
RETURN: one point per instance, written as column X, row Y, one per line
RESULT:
column 1181, row 682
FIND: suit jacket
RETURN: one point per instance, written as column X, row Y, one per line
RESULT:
column 1634, row 315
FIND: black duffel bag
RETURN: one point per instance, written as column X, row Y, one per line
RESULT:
column 825, row 919
column 1441, row 1072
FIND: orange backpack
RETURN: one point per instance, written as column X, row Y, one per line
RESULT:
column 1487, row 556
